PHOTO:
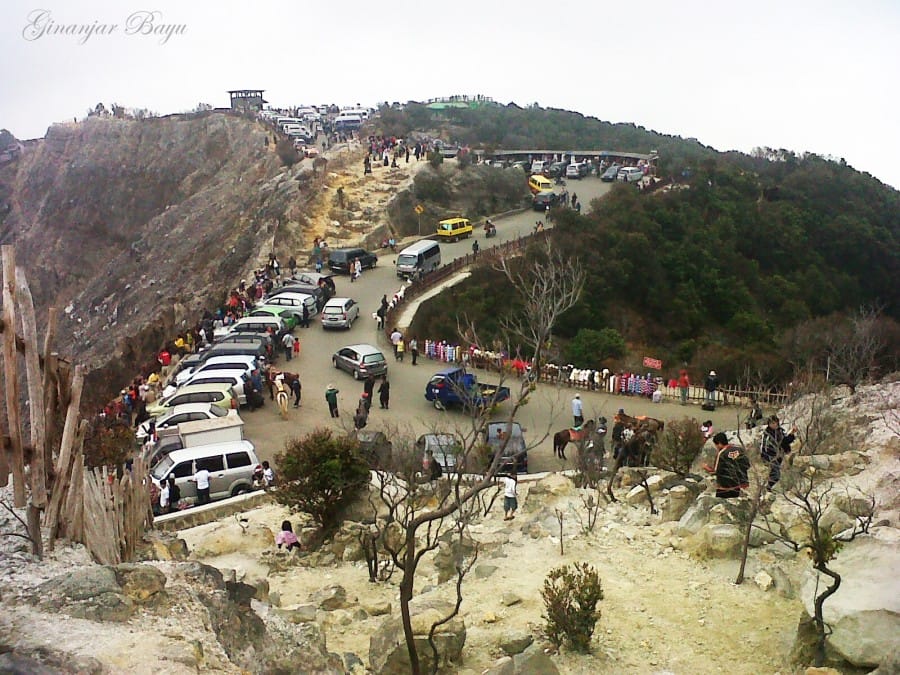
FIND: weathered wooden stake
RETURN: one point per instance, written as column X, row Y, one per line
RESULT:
column 64, row 462
column 35, row 391
column 11, row 380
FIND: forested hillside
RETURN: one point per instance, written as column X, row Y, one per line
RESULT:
column 751, row 263
column 511, row 127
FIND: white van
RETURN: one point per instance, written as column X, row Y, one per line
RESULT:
column 630, row 174
column 420, row 258
column 344, row 122
column 230, row 467
column 539, row 166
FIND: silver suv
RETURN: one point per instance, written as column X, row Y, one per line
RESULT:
column 339, row 313
column 360, row 361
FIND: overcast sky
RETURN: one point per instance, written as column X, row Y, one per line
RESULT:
column 817, row 76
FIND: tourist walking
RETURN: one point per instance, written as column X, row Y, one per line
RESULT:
column 384, row 393
column 577, row 411
column 331, row 396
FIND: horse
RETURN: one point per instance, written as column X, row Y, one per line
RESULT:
column 651, row 424
column 562, row 438
column 281, row 397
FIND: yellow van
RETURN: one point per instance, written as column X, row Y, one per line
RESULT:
column 454, row 229
column 538, row 183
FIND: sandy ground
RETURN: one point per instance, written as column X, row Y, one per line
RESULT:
column 662, row 610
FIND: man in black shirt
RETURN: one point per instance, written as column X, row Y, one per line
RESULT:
column 731, row 468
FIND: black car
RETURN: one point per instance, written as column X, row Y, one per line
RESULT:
column 375, row 447
column 556, row 170
column 514, row 449
column 322, row 294
column 339, row 259
column 543, row 199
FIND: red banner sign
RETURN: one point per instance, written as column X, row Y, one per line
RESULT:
column 652, row 363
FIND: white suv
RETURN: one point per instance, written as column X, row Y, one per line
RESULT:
column 630, row 174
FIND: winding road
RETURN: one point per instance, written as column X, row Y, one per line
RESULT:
column 410, row 414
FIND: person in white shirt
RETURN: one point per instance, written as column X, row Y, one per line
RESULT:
column 268, row 475
column 510, row 502
column 577, row 410
column 201, row 478
column 164, row 497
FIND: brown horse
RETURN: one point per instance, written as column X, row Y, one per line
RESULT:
column 562, row 438
column 650, row 424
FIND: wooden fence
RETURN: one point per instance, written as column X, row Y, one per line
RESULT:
column 724, row 395
column 107, row 513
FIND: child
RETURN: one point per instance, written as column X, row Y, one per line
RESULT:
column 286, row 537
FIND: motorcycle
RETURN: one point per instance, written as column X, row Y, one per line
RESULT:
column 489, row 230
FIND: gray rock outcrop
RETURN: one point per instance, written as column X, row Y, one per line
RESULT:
column 388, row 654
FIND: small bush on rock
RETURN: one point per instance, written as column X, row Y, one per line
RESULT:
column 319, row 474
column 678, row 446
column 571, row 594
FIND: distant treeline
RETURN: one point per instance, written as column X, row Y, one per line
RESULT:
column 747, row 265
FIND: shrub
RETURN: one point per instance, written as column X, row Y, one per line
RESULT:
column 589, row 348
column 678, row 446
column 286, row 152
column 319, row 474
column 571, row 594
column 108, row 441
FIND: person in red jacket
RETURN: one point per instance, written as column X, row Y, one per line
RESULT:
column 684, row 385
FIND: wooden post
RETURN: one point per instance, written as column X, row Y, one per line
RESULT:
column 4, row 465
column 64, row 463
column 51, row 413
column 50, row 391
column 11, row 380
column 35, row 391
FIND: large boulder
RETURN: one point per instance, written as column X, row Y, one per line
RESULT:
column 515, row 641
column 161, row 545
column 331, row 598
column 676, row 503
column 87, row 593
column 228, row 537
column 718, row 541
column 554, row 485
column 274, row 645
column 696, row 516
column 387, row 647
column 141, row 583
column 864, row 614
column 533, row 661
column 346, row 544
column 452, row 552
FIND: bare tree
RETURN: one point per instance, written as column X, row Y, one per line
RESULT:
column 756, row 494
column 421, row 513
column 811, row 493
column 854, row 347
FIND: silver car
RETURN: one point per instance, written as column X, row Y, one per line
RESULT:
column 360, row 361
column 339, row 313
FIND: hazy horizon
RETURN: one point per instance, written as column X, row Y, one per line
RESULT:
column 805, row 76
